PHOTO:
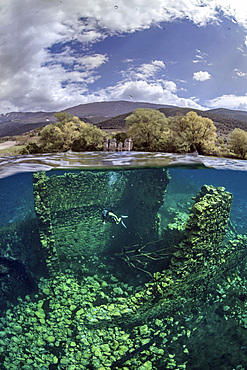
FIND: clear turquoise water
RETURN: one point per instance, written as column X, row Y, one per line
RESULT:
column 209, row 335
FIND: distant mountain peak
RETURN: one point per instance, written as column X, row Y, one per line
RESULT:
column 110, row 108
column 112, row 114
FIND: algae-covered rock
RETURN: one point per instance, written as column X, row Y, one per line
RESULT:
column 40, row 342
column 46, row 291
column 64, row 361
column 144, row 330
column 17, row 328
column 50, row 339
column 40, row 314
column 158, row 322
column 146, row 366
column 55, row 360
column 105, row 348
column 118, row 290
column 122, row 349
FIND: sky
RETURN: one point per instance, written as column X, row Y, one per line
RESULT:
column 55, row 54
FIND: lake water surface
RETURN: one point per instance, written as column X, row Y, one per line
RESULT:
column 123, row 261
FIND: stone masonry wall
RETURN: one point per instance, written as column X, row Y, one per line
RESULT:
column 69, row 207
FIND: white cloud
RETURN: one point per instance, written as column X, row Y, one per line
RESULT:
column 229, row 101
column 128, row 60
column 145, row 71
column 170, row 86
column 234, row 8
column 239, row 73
column 87, row 62
column 200, row 57
column 29, row 79
column 147, row 92
column 201, row 76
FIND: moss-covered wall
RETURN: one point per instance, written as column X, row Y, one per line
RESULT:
column 200, row 259
column 205, row 231
column 69, row 207
column 209, row 217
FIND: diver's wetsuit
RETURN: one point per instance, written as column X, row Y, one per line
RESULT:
column 111, row 217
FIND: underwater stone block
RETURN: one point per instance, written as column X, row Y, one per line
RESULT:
column 200, row 262
column 209, row 217
column 202, row 253
column 69, row 208
column 201, row 248
column 42, row 208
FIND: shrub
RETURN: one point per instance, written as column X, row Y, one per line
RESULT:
column 79, row 145
column 193, row 132
column 90, row 138
column 64, row 135
column 31, row 148
column 237, row 142
column 146, row 127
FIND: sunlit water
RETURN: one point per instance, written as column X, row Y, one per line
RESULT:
column 80, row 317
column 94, row 160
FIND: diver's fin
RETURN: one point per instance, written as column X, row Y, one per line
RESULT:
column 124, row 216
column 123, row 224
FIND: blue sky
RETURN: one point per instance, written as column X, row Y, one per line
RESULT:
column 60, row 53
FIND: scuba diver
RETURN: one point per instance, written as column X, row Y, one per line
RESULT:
column 111, row 217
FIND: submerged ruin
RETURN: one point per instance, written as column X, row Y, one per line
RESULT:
column 115, row 297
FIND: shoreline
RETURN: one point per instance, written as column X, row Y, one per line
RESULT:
column 7, row 144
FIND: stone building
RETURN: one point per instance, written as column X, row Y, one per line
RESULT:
column 112, row 146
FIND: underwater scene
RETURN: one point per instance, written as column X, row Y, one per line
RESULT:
column 139, row 268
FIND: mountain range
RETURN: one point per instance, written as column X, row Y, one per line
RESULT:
column 111, row 116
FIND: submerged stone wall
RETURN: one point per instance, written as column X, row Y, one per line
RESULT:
column 199, row 260
column 42, row 208
column 204, row 232
column 209, row 218
column 69, row 207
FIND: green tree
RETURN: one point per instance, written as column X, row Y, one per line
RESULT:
column 59, row 137
column 68, row 133
column 237, row 141
column 31, row 148
column 90, row 138
column 63, row 117
column 147, row 128
column 193, row 132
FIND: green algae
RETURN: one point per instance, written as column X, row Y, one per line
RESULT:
column 97, row 321
column 79, row 342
